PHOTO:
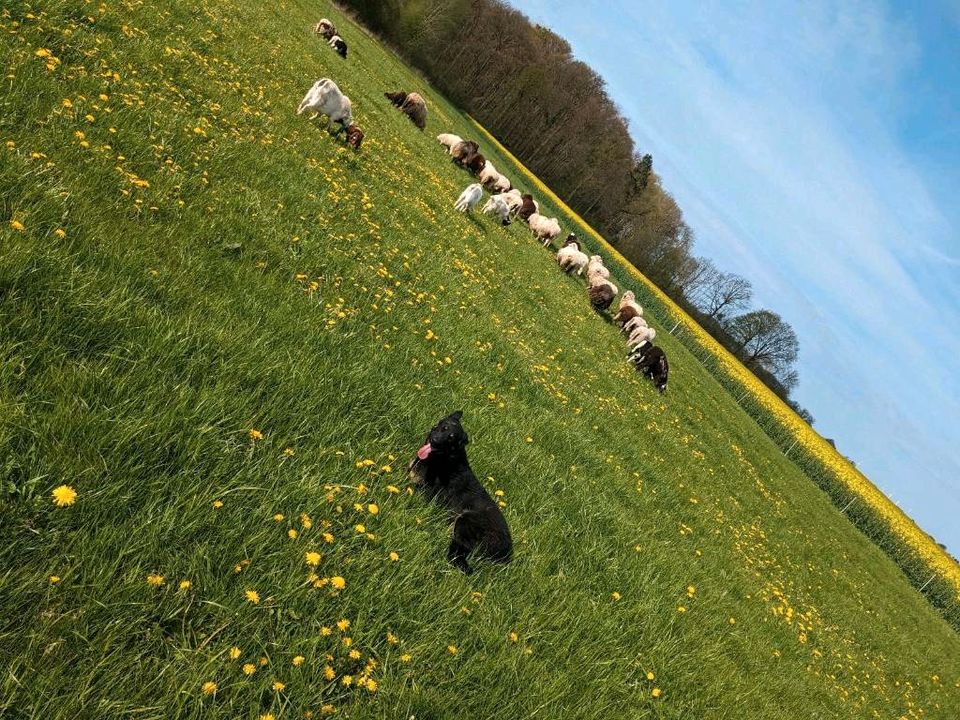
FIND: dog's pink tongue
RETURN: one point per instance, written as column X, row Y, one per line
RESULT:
column 423, row 452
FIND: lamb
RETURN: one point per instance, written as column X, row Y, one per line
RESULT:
column 502, row 184
column 412, row 105
column 449, row 141
column 528, row 207
column 325, row 29
column 629, row 309
column 596, row 267
column 570, row 256
column 633, row 323
column 469, row 198
column 325, row 98
column 498, row 206
column 544, row 228
column 463, row 151
column 338, row 44
column 601, row 292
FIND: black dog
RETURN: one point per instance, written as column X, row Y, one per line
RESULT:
column 652, row 362
column 440, row 470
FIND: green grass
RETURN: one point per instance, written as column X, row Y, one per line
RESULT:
column 140, row 349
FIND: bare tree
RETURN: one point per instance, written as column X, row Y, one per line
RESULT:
column 724, row 293
column 765, row 340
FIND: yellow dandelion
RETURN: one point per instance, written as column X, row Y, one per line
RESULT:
column 371, row 685
column 650, row 676
column 249, row 668
column 347, row 680
column 452, row 649
column 89, row 118
column 406, row 657
column 298, row 660
column 392, row 639
column 327, row 709
column 234, row 652
column 327, row 537
column 338, row 582
column 279, row 517
column 267, row 716
column 54, row 579
column 209, row 688
column 185, row 584
column 394, row 557
column 732, row 621
column 373, row 509
column 354, row 654
column 328, row 672
column 306, row 521
column 325, row 631
column 255, row 434
column 64, row 495
column 343, row 624
column 278, row 686
column 60, row 233
column 615, row 595
column 393, row 489
column 514, row 637
column 217, row 504
column 656, row 692
column 252, row 596
column 691, row 590
column 360, row 528
column 289, row 452
column 681, row 609
column 155, row 580
column 292, row 534
column 312, row 558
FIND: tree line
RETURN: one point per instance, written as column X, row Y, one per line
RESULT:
column 521, row 81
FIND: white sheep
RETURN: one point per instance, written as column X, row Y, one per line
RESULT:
column 449, row 141
column 640, row 336
column 513, row 199
column 498, row 206
column 469, row 198
column 544, row 228
column 502, row 184
column 325, row 98
column 634, row 323
column 596, row 267
column 570, row 256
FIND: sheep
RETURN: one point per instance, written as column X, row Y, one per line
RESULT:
column 325, row 98
column 412, row 105
column 651, row 361
column 570, row 256
column 463, row 151
column 528, row 206
column 596, row 267
column 475, row 163
column 449, row 141
column 488, row 174
column 601, row 291
column 544, row 228
column 633, row 323
column 498, row 206
column 469, row 198
column 325, row 29
column 502, row 184
column 640, row 336
column 513, row 199
column 338, row 44
column 629, row 309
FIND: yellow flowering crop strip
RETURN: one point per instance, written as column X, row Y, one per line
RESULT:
column 805, row 437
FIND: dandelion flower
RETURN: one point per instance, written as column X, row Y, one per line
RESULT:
column 289, row 452
column 234, row 652
column 292, row 534
column 452, row 649
column 371, row 685
column 347, row 680
column 650, row 676
column 267, row 716
column 394, row 557
column 298, row 660
column 255, row 434
column 360, row 528
column 312, row 558
column 63, row 495
column 354, row 654
column 155, row 580
column 327, row 709
column 279, row 517
column 681, row 609
column 209, row 688
column 327, row 537
column 615, row 595
column 343, row 624
column 328, row 672
column 252, row 596
column 54, row 579
column 325, row 631
column 373, row 509
column 393, row 489
column 217, row 504
column 691, row 590
column 656, row 692
column 406, row 657
column 60, row 233
column 338, row 582
column 306, row 521
column 514, row 637
column 278, row 686
column 185, row 584
column 249, row 668
column 732, row 621
column 392, row 639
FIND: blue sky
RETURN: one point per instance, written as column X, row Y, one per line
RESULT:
column 815, row 148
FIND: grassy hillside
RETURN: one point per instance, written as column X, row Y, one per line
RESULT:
column 228, row 333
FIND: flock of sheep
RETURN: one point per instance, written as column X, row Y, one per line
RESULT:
column 505, row 203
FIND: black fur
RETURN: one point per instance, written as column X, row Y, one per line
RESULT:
column 652, row 362
column 527, row 208
column 445, row 476
column 341, row 48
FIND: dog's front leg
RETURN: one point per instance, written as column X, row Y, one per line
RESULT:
column 461, row 545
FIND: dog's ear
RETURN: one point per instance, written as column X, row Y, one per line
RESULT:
column 456, row 415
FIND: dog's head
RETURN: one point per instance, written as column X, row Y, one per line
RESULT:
column 354, row 136
column 397, row 98
column 446, row 438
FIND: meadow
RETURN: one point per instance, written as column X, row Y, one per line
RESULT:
column 227, row 333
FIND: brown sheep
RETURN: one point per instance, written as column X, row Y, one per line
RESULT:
column 463, row 151
column 527, row 208
column 475, row 163
column 412, row 105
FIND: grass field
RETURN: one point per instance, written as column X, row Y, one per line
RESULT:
column 229, row 333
